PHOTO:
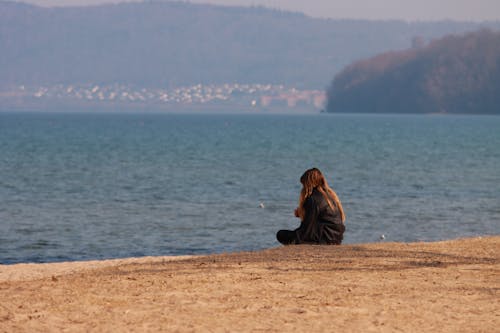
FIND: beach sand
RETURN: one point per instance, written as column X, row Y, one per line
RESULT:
column 450, row 286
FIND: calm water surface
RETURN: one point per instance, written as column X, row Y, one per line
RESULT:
column 90, row 186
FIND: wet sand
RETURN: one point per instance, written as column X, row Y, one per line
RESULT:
column 451, row 286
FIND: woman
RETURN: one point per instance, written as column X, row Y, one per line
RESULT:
column 321, row 213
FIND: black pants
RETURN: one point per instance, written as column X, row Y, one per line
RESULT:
column 333, row 237
column 287, row 237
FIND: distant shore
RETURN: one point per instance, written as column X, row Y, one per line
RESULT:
column 228, row 108
column 447, row 286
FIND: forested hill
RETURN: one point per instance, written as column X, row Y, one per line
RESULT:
column 165, row 43
column 455, row 74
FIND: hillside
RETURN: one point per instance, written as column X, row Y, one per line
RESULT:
column 455, row 74
column 169, row 44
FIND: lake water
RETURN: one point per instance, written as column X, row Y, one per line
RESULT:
column 94, row 186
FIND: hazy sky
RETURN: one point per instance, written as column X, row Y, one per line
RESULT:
column 477, row 10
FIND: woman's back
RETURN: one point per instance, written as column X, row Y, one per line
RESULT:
column 321, row 213
column 322, row 222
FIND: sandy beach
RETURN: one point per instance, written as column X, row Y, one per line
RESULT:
column 449, row 286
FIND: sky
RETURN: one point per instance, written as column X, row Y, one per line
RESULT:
column 409, row 10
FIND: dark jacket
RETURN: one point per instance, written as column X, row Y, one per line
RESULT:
column 321, row 224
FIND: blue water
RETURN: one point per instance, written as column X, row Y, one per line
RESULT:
column 93, row 186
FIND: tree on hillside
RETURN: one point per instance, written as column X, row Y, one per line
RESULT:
column 455, row 74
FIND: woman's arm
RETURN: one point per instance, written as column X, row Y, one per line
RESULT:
column 311, row 212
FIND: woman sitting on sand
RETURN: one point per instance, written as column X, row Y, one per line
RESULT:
column 320, row 211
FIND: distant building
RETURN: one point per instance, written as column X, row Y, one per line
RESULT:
column 295, row 98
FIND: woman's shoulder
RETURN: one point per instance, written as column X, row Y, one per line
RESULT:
column 312, row 199
column 319, row 197
column 315, row 196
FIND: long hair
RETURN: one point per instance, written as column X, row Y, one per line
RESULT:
column 314, row 179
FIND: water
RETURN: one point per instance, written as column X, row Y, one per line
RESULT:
column 90, row 186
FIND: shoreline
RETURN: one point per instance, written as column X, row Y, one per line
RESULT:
column 448, row 286
column 34, row 270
